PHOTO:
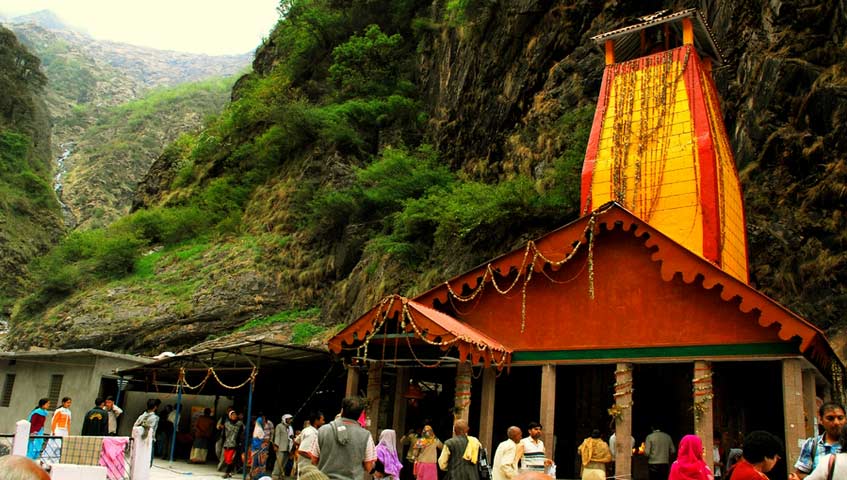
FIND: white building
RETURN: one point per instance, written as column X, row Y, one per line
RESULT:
column 81, row 374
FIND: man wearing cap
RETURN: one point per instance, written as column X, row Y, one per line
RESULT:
column 283, row 440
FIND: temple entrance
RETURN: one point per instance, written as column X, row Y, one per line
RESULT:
column 437, row 386
column 584, row 394
column 518, row 396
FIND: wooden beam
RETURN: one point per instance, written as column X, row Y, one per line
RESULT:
column 374, row 395
column 352, row 381
column 400, row 402
column 703, row 409
column 610, row 52
column 792, row 402
column 809, row 404
column 462, row 402
column 486, row 409
column 623, row 423
column 547, row 416
column 687, row 32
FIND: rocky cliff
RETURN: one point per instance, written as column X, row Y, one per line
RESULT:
column 500, row 93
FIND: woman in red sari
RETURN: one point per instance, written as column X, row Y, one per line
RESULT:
column 689, row 464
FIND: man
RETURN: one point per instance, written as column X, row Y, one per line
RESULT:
column 460, row 454
column 533, row 456
column 16, row 467
column 505, row 464
column 308, row 436
column 659, row 448
column 96, row 422
column 613, row 442
column 831, row 417
column 148, row 421
column 113, row 412
column 282, row 441
column 345, row 450
column 408, row 442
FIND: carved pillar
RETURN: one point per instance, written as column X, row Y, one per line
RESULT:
column 462, row 402
column 374, row 393
column 623, row 421
column 400, row 403
column 352, row 381
column 486, row 408
column 792, row 402
column 809, row 401
column 547, row 415
column 703, row 413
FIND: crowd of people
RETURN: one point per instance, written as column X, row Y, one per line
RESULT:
column 343, row 449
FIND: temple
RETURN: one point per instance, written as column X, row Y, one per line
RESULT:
column 637, row 314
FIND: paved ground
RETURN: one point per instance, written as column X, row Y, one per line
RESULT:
column 164, row 470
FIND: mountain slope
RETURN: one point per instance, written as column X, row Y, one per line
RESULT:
column 30, row 219
column 363, row 160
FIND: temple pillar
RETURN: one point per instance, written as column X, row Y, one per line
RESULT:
column 374, row 394
column 486, row 409
column 462, row 403
column 792, row 403
column 809, row 402
column 623, row 420
column 704, row 424
column 352, row 381
column 547, row 416
column 400, row 404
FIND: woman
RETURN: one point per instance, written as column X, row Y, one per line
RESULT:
column 259, row 448
column 203, row 429
column 426, row 455
column 37, row 418
column 232, row 435
column 595, row 454
column 60, row 426
column 386, row 452
column 689, row 464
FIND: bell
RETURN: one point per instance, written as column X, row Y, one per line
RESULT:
column 413, row 392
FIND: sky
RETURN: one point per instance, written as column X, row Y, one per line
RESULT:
column 214, row 27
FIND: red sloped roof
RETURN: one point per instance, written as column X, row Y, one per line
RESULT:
column 674, row 258
column 428, row 325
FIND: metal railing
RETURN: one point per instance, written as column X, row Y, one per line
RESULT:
column 79, row 450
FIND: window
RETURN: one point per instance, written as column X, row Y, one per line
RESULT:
column 55, row 390
column 6, row 400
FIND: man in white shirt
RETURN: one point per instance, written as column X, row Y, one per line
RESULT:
column 308, row 436
column 659, row 449
column 505, row 464
column 113, row 412
column 533, row 456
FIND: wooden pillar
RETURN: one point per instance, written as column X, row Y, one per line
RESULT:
column 610, row 52
column 547, row 416
column 486, row 408
column 400, row 404
column 809, row 402
column 352, row 381
column 462, row 403
column 792, row 403
column 374, row 394
column 687, row 32
column 704, row 424
column 623, row 422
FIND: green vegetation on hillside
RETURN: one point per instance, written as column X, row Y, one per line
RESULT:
column 330, row 135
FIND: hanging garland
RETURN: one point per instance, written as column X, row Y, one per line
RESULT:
column 531, row 257
column 703, row 394
column 623, row 393
column 211, row 373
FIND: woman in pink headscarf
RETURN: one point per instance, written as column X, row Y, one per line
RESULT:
column 689, row 464
column 386, row 453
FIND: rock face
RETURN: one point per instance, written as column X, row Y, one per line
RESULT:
column 495, row 84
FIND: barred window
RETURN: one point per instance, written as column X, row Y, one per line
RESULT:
column 6, row 400
column 55, row 390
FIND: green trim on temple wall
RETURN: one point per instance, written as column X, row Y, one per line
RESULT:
column 751, row 349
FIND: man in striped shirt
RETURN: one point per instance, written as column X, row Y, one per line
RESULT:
column 533, row 456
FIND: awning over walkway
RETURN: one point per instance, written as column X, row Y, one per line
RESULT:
column 397, row 319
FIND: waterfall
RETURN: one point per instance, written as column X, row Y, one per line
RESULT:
column 67, row 149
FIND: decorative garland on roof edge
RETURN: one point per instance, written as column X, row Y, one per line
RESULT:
column 526, row 269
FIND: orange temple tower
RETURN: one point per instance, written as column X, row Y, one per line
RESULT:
column 658, row 145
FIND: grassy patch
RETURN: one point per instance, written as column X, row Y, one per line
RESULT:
column 285, row 316
column 305, row 331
